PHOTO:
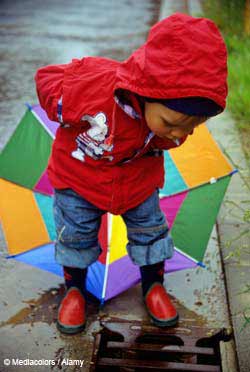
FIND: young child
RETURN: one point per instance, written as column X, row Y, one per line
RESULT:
column 116, row 118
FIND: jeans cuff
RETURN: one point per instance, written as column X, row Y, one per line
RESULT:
column 80, row 258
column 150, row 254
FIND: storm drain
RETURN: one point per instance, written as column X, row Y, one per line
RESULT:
column 131, row 346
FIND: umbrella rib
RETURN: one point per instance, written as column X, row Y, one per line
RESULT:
column 107, row 259
column 200, row 263
column 41, row 122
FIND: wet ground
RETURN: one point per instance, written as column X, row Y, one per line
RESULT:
column 36, row 33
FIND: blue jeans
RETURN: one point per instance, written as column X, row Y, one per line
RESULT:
column 78, row 221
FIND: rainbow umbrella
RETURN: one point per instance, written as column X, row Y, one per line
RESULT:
column 197, row 178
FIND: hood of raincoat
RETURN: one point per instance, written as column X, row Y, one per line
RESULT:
column 182, row 57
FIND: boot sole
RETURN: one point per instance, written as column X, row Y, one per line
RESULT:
column 162, row 323
column 68, row 329
column 165, row 323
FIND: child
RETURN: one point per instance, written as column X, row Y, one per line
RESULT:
column 116, row 118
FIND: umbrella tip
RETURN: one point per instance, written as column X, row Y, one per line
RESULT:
column 201, row 264
column 234, row 171
column 28, row 105
column 101, row 303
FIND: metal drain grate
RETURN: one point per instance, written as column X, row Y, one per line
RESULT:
column 132, row 346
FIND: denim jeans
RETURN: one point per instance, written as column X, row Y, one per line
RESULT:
column 78, row 221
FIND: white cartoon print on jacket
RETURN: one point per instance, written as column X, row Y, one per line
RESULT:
column 92, row 141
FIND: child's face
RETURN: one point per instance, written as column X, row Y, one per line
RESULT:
column 170, row 124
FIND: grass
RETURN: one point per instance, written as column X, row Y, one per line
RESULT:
column 229, row 17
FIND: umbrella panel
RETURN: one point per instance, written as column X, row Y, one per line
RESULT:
column 25, row 156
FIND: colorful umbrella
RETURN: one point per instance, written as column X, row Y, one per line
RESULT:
column 197, row 178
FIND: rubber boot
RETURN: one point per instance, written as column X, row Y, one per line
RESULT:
column 71, row 313
column 157, row 301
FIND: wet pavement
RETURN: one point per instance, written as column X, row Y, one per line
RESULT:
column 39, row 33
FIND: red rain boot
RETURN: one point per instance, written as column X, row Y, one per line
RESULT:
column 71, row 313
column 160, row 307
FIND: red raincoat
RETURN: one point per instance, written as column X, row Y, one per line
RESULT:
column 103, row 148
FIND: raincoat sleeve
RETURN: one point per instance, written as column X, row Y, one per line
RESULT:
column 49, row 87
column 54, row 87
column 165, row 144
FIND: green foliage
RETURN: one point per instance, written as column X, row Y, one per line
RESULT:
column 239, row 78
column 227, row 14
column 246, row 217
column 229, row 17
